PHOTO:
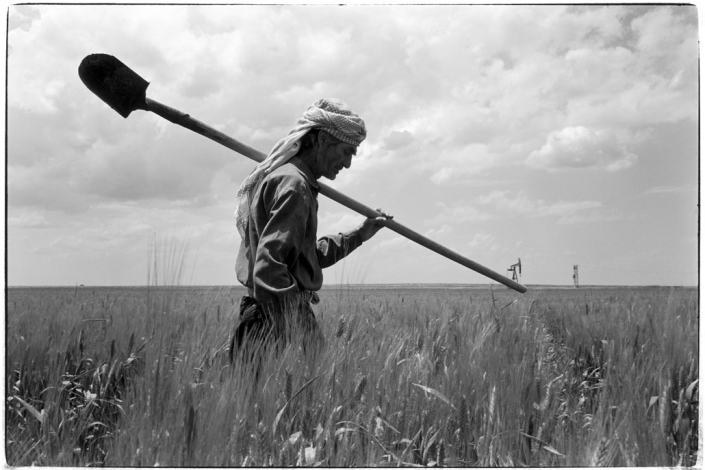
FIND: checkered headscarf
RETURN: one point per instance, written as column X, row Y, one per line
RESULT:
column 330, row 115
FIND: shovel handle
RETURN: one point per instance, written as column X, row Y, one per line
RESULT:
column 184, row 120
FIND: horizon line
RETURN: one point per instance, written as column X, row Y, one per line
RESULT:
column 329, row 286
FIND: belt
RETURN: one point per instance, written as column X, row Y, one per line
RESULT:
column 307, row 296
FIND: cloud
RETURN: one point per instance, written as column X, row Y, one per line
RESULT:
column 437, row 233
column 582, row 216
column 503, row 202
column 398, row 139
column 203, row 82
column 28, row 220
column 501, row 205
column 483, row 241
column 582, row 148
column 330, row 223
column 486, row 102
column 138, row 168
column 142, row 168
column 22, row 16
column 458, row 213
column 469, row 160
column 396, row 243
column 471, row 104
column 454, row 96
column 649, row 38
column 670, row 190
column 48, row 187
column 129, row 226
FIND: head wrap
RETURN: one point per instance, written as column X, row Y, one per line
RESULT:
column 330, row 115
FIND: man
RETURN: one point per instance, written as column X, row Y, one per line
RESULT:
column 280, row 259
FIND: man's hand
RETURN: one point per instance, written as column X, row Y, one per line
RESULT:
column 373, row 225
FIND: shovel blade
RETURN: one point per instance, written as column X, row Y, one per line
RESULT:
column 114, row 83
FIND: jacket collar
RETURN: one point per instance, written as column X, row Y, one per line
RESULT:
column 305, row 171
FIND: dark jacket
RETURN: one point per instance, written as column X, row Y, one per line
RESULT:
column 285, row 257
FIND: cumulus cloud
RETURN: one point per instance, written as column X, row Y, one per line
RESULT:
column 443, row 89
column 398, row 139
column 514, row 85
column 22, row 16
column 582, row 148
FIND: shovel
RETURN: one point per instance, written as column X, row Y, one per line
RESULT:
column 125, row 91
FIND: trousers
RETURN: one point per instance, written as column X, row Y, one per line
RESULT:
column 260, row 328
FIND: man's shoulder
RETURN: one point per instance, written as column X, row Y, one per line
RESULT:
column 287, row 170
column 286, row 176
column 293, row 172
column 285, row 180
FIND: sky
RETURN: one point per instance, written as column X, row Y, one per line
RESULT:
column 559, row 135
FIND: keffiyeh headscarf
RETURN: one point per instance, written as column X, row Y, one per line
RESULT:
column 330, row 115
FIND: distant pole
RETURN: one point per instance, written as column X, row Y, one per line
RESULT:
column 576, row 284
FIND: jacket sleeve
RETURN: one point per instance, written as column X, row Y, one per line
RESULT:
column 288, row 205
column 333, row 248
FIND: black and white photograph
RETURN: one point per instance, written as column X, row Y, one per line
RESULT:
column 352, row 235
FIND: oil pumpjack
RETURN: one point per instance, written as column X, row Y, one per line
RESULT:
column 513, row 269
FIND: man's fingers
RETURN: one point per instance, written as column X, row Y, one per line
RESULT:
column 381, row 211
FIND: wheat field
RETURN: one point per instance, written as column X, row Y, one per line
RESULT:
column 410, row 376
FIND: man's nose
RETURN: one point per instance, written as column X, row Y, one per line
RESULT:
column 348, row 161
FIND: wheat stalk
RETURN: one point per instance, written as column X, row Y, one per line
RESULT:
column 441, row 456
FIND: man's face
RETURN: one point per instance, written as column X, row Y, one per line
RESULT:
column 332, row 157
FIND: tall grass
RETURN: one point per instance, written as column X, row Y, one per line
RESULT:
column 431, row 377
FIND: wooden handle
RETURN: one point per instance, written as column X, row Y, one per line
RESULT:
column 184, row 120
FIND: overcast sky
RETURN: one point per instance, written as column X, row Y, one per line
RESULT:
column 560, row 135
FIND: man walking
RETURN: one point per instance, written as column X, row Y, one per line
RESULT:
column 281, row 259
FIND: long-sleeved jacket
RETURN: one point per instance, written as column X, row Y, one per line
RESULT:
column 285, row 257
